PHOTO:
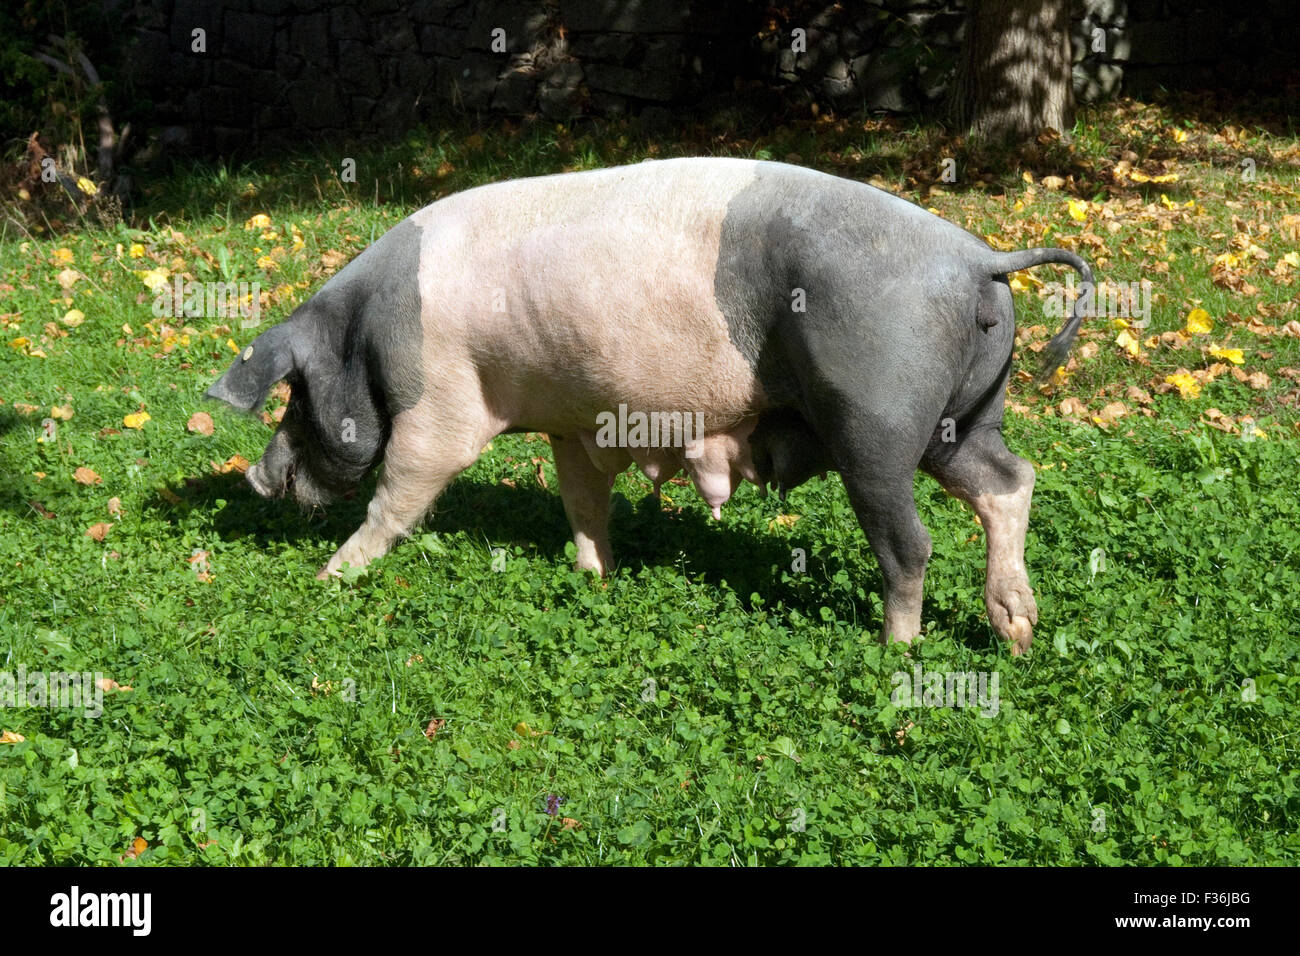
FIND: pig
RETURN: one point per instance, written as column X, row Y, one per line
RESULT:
column 817, row 323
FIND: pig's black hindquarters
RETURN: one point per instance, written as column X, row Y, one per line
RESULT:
column 786, row 451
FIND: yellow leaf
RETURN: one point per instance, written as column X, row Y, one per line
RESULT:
column 1167, row 202
column 74, row 318
column 11, row 737
column 136, row 250
column 1234, row 356
column 1179, row 135
column 260, row 221
column 1199, row 322
column 20, row 343
column 62, row 255
column 1078, row 210
column 86, row 186
column 135, row 420
column 154, row 277
column 1129, row 344
column 1188, row 387
column 230, row 344
column 1140, row 177
column 61, row 412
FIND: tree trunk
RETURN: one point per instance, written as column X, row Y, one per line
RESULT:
column 1014, row 78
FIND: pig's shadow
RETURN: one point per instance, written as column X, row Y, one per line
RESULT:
column 641, row 534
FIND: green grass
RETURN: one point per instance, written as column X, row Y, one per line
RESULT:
column 708, row 703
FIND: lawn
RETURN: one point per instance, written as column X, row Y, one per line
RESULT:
column 722, row 697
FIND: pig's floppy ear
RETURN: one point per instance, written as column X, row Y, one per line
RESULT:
column 262, row 364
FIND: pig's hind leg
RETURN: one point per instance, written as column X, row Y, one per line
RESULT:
column 980, row 470
column 425, row 451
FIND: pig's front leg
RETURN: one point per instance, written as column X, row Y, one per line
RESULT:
column 584, row 488
column 422, row 457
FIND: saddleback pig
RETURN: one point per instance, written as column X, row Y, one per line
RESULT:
column 809, row 322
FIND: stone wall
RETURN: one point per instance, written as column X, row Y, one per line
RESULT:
column 273, row 69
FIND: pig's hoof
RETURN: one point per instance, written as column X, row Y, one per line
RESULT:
column 1013, row 614
column 1021, row 634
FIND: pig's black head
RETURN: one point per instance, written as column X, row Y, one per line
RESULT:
column 333, row 432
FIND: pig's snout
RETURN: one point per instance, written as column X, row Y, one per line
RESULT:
column 264, row 484
column 271, row 476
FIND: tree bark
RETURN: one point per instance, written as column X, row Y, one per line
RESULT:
column 1014, row 77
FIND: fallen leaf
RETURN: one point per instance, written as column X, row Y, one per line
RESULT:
column 234, row 463
column 138, row 846
column 200, row 422
column 1198, row 322
column 135, row 419
column 11, row 737
column 61, row 412
column 1110, row 412
column 1188, row 387
column 1235, row 356
column 99, row 531
column 435, row 725
column 73, row 318
column 110, row 686
column 84, row 476
column 115, row 506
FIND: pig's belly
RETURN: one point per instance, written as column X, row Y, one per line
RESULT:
column 573, row 402
column 716, row 463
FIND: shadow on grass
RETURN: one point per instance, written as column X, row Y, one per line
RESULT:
column 643, row 535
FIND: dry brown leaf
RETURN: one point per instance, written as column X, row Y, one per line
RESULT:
column 1072, row 406
column 110, row 686
column 99, row 531
column 200, row 422
column 11, row 737
column 234, row 463
column 115, row 506
column 1110, row 412
column 435, row 725
column 84, row 476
